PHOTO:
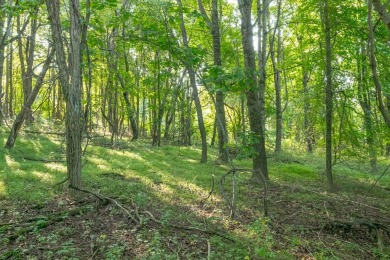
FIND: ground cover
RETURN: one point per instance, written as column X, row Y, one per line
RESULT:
column 163, row 204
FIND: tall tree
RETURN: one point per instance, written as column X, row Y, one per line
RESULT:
column 213, row 25
column 255, row 109
column 195, row 92
column 70, row 80
column 276, row 65
column 329, row 97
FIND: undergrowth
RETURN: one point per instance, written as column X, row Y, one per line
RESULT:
column 170, row 183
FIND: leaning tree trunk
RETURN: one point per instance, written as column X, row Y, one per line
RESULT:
column 373, row 64
column 20, row 118
column 220, row 118
column 191, row 73
column 27, row 60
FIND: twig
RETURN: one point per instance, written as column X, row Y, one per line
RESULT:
column 211, row 192
column 104, row 198
column 210, row 232
column 208, row 249
column 61, row 182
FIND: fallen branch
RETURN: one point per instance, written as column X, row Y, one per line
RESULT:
column 210, row 232
column 383, row 173
column 138, row 218
column 231, row 203
column 45, row 133
column 211, row 192
column 43, row 160
column 105, row 199
column 347, row 226
column 41, row 222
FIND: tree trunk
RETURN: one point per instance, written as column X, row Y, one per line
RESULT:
column 219, row 95
column 27, row 61
column 254, row 102
column 276, row 63
column 328, row 98
column 191, row 73
column 373, row 64
column 309, row 136
column 381, row 10
column 364, row 98
column 20, row 118
column 70, row 77
column 2, row 58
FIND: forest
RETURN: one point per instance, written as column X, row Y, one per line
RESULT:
column 194, row 129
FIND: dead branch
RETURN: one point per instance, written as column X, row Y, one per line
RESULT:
column 138, row 218
column 45, row 133
column 231, row 203
column 43, row 160
column 41, row 222
column 211, row 192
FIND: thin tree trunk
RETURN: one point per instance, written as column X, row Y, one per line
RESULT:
column 191, row 73
column 27, row 61
column 278, row 89
column 21, row 117
column 306, row 110
column 219, row 95
column 328, row 98
column 364, row 98
column 381, row 10
column 373, row 64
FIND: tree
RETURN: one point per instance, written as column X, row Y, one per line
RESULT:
column 70, row 80
column 220, row 117
column 255, row 109
column 191, row 74
column 382, row 11
column 329, row 97
column 26, row 109
column 26, row 58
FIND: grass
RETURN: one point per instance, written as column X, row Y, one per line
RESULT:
column 170, row 182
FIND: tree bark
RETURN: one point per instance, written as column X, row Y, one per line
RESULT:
column 254, row 102
column 219, row 95
column 373, row 64
column 191, row 73
column 27, row 61
column 276, row 63
column 382, row 11
column 21, row 117
column 328, row 98
column 70, row 80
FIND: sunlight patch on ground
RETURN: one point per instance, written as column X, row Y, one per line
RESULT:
column 43, row 176
column 130, row 155
column 10, row 162
column 102, row 164
column 134, row 156
column 2, row 189
column 56, row 167
column 190, row 160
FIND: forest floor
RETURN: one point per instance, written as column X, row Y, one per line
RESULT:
column 161, row 203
